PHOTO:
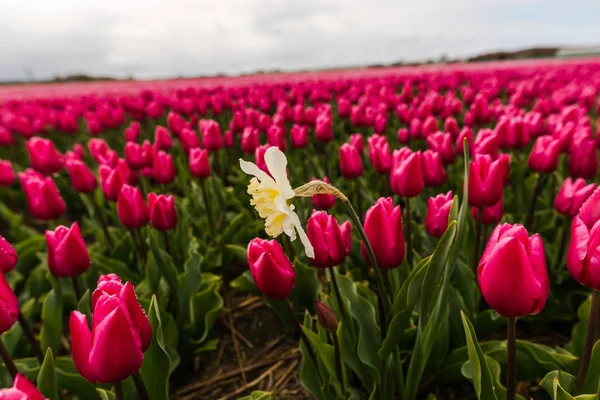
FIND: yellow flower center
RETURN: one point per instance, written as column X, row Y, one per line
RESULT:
column 263, row 200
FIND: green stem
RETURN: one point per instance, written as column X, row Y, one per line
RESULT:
column 303, row 336
column 589, row 342
column 338, row 295
column 35, row 345
column 536, row 194
column 140, row 386
column 8, row 361
column 76, row 288
column 511, row 374
column 409, row 250
column 357, row 197
column 561, row 246
column 372, row 258
column 167, row 245
column 338, row 361
column 118, row 391
column 103, row 224
column 209, row 211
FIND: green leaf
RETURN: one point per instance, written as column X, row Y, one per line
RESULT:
column 258, row 395
column 166, row 266
column 307, row 289
column 156, row 368
column 565, row 380
column 85, row 306
column 112, row 265
column 52, row 317
column 245, row 284
column 480, row 371
column 561, row 394
column 205, row 307
column 46, row 381
column 105, row 394
column 239, row 252
column 592, row 379
column 70, row 379
column 191, row 279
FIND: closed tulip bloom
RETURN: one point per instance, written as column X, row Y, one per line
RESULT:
column 356, row 140
column 114, row 348
column 82, row 179
column 43, row 156
column 131, row 207
column 6, row 138
column 272, row 271
column 572, row 195
column 9, row 306
column 67, row 252
column 163, row 214
column 43, row 199
column 250, row 139
column 415, row 128
column 383, row 227
column 324, row 128
column 7, row 175
column 442, row 144
column 132, row 133
column 517, row 134
column 486, row 178
column 134, row 156
column 8, row 256
column 429, row 126
column 486, row 142
column 332, row 242
column 583, row 159
column 350, row 162
column 113, row 179
column 189, row 140
column 491, row 214
column 323, row 201
column 102, row 153
column 148, row 152
column 544, row 155
column 228, row 141
column 432, row 168
column 175, row 123
column 379, row 154
column 438, row 211
column 299, row 136
column 162, row 139
column 163, row 169
column 465, row 133
column 326, row 317
column 276, row 137
column 21, row 389
column 512, row 273
column 211, row 134
column 403, row 135
column 199, row 163
column 406, row 178
column 451, row 127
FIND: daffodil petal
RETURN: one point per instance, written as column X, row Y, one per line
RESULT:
column 277, row 164
column 308, row 247
column 252, row 169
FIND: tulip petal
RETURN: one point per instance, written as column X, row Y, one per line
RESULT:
column 81, row 344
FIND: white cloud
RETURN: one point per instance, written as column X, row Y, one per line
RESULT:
column 154, row 38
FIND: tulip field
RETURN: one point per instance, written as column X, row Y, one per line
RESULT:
column 398, row 233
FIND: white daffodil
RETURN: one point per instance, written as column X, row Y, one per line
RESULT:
column 270, row 196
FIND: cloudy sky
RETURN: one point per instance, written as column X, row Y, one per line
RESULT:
column 163, row 38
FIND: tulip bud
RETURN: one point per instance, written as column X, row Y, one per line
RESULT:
column 429, row 126
column 21, row 389
column 486, row 142
column 211, row 134
column 189, row 140
column 67, row 253
column 43, row 156
column 199, row 163
column 162, row 139
column 490, row 214
column 512, row 272
column 379, row 154
column 228, row 139
column 163, row 214
column 465, row 133
column 102, row 153
column 131, row 207
column 250, row 139
column 432, row 168
column 82, row 179
column 544, row 155
column 438, row 211
column 326, row 317
column 299, row 136
column 451, row 127
column 406, row 178
column 6, row 138
column 276, row 137
column 9, row 306
column 332, row 242
column 43, row 200
column 572, row 195
column 403, row 135
column 272, row 271
column 123, row 326
column 350, row 162
column 383, row 227
column 8, row 256
column 175, row 123
column 7, row 175
column 486, row 180
column 583, row 159
column 356, row 140
column 132, row 133
column 163, row 169
column 442, row 143
column 134, row 156
column 148, row 153
column 323, row 128
column 323, row 201
column 113, row 179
